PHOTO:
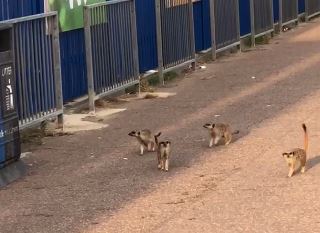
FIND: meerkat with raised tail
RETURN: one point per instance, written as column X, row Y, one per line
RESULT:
column 219, row 131
column 297, row 155
column 145, row 139
column 163, row 154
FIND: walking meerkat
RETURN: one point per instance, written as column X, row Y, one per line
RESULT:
column 145, row 139
column 297, row 155
column 163, row 153
column 219, row 131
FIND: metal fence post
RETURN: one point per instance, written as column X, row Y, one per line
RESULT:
column 280, row 15
column 213, row 30
column 193, row 48
column 87, row 34
column 238, row 23
column 159, row 41
column 306, row 5
column 252, row 16
column 57, row 70
column 135, row 40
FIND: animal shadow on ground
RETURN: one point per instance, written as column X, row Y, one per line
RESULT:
column 313, row 162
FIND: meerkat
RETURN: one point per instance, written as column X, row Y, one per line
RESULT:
column 294, row 156
column 163, row 153
column 219, row 131
column 145, row 139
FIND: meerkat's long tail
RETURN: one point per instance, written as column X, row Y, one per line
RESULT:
column 306, row 138
column 156, row 138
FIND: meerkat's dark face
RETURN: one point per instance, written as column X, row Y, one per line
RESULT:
column 165, row 144
column 134, row 134
column 288, row 155
column 209, row 126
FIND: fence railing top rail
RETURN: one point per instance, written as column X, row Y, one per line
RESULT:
column 29, row 18
column 95, row 5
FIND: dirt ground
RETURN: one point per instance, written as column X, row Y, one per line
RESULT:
column 95, row 181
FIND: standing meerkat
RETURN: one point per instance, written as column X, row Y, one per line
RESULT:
column 219, row 131
column 163, row 153
column 297, row 155
column 145, row 139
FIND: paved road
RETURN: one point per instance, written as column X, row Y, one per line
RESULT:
column 83, row 184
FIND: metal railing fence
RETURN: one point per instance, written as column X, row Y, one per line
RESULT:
column 38, row 74
column 288, row 12
column 175, row 34
column 225, row 25
column 312, row 8
column 111, row 47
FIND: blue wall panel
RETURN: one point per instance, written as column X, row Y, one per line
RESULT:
column 302, row 7
column 73, row 64
column 276, row 11
column 245, row 22
column 147, row 35
column 202, row 30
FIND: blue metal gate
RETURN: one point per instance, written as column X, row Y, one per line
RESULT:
column 302, row 8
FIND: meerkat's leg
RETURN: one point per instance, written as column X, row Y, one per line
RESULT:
column 162, row 164
column 167, row 165
column 211, row 142
column 154, row 146
column 149, row 146
column 291, row 169
column 141, row 149
column 303, row 169
column 216, row 140
column 228, row 139
column 159, row 161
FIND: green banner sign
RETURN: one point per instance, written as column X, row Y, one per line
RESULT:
column 70, row 12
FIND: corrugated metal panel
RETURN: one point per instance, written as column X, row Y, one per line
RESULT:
column 73, row 64
column 289, row 10
column 245, row 22
column 147, row 35
column 201, row 16
column 17, row 8
column 302, row 7
column 313, row 6
column 226, row 22
column 263, row 12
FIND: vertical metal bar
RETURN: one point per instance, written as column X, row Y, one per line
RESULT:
column 134, row 40
column 252, row 19
column 44, row 68
column 306, row 6
column 193, row 45
column 29, row 73
column 19, row 71
column 159, row 41
column 57, row 70
column 238, row 21
column 280, row 15
column 297, row 11
column 87, row 33
column 37, row 67
column 213, row 30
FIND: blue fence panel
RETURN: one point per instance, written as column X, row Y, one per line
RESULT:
column 17, row 8
column 245, row 21
column 202, row 30
column 302, row 7
column 147, row 35
column 73, row 64
column 276, row 11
